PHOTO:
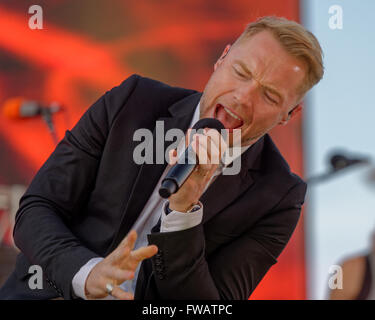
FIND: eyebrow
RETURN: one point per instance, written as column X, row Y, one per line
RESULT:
column 267, row 87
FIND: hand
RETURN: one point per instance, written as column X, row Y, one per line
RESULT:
column 209, row 148
column 117, row 267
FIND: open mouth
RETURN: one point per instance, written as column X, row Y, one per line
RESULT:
column 228, row 117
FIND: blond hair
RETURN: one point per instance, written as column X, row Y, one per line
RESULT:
column 297, row 41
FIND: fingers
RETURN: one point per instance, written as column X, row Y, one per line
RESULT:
column 188, row 137
column 117, row 268
column 217, row 139
column 100, row 276
column 172, row 157
column 207, row 151
column 144, row 253
column 117, row 293
column 131, row 262
column 210, row 151
column 210, row 146
column 127, row 269
column 115, row 274
column 119, row 275
column 125, row 258
column 120, row 294
column 125, row 247
column 129, row 240
column 199, row 146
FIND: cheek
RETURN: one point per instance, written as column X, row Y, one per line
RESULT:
column 218, row 85
column 266, row 120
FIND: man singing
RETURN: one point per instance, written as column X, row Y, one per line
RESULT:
column 92, row 217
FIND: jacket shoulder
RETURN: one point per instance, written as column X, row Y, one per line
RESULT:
column 138, row 96
column 156, row 94
column 275, row 164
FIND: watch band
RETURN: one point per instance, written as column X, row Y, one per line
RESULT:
column 193, row 208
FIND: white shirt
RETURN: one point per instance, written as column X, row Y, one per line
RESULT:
column 154, row 208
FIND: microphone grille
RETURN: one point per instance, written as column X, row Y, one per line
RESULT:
column 209, row 123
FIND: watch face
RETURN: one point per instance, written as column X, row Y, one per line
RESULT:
column 194, row 208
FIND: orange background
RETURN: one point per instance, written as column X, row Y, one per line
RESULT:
column 86, row 47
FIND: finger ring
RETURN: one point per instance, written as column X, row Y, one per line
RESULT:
column 109, row 288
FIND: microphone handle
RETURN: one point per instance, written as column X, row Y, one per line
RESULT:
column 178, row 174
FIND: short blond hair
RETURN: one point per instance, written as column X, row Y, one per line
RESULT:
column 297, row 41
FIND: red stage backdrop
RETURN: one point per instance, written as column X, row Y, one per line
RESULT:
column 86, row 47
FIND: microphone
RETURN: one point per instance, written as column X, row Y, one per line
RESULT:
column 340, row 161
column 179, row 173
column 18, row 108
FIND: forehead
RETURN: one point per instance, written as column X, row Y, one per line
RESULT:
column 270, row 63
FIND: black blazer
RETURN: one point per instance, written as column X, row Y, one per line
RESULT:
column 88, row 194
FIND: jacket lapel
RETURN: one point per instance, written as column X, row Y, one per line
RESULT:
column 226, row 188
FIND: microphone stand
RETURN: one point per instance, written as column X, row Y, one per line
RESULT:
column 47, row 117
column 338, row 163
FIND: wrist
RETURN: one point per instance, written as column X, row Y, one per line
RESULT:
column 185, row 208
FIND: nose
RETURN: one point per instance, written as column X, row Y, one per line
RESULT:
column 245, row 92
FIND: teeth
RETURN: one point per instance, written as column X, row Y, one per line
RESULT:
column 233, row 115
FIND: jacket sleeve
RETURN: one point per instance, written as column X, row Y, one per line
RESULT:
column 180, row 270
column 60, row 190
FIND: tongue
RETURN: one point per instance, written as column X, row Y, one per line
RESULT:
column 226, row 119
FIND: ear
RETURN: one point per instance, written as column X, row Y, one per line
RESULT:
column 220, row 60
column 292, row 113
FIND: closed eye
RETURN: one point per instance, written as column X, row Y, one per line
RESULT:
column 268, row 97
column 239, row 73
